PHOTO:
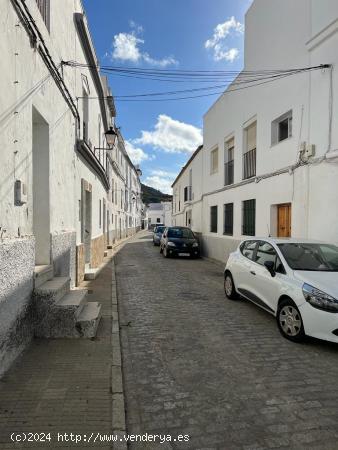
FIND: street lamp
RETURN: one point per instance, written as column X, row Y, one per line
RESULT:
column 111, row 137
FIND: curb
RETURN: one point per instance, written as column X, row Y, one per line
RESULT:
column 118, row 402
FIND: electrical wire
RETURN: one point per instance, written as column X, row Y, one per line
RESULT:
column 243, row 83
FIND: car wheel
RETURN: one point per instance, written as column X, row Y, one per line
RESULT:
column 289, row 321
column 229, row 287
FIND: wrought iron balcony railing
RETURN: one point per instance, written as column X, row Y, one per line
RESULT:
column 249, row 164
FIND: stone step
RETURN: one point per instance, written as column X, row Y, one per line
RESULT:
column 42, row 274
column 89, row 319
column 73, row 302
column 91, row 274
column 53, row 290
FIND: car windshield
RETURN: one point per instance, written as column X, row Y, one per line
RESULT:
column 312, row 257
column 180, row 233
column 159, row 230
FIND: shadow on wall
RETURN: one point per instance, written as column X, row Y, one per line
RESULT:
column 16, row 287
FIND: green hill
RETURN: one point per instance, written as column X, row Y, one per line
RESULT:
column 151, row 195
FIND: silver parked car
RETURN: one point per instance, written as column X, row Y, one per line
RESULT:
column 157, row 234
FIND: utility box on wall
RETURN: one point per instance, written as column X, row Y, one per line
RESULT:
column 20, row 193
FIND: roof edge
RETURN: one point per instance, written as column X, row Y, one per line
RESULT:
column 199, row 148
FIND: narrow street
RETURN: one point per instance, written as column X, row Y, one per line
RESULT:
column 198, row 364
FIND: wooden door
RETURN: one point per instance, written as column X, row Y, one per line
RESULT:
column 284, row 220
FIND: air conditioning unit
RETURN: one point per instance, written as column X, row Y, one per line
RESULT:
column 20, row 193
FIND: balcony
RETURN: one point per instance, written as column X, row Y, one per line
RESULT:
column 229, row 173
column 87, row 153
column 249, row 164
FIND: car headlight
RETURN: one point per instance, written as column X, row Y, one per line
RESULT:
column 319, row 299
column 171, row 244
column 195, row 244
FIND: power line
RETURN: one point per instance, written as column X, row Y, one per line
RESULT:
column 247, row 82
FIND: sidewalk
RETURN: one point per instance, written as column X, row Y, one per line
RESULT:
column 63, row 385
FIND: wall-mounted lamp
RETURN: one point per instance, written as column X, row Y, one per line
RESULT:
column 111, row 137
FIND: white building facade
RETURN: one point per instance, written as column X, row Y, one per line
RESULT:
column 158, row 213
column 56, row 188
column 269, row 160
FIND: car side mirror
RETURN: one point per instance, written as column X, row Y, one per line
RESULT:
column 270, row 265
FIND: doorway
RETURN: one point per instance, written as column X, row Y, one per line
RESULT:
column 108, row 227
column 41, row 200
column 104, row 222
column 284, row 220
column 86, row 220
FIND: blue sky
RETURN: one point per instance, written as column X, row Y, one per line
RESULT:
column 165, row 34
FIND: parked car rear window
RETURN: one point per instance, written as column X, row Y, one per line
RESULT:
column 248, row 248
column 159, row 229
column 312, row 257
column 180, row 233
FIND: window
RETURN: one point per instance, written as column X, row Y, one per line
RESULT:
column 229, row 148
column 228, row 219
column 44, row 9
column 312, row 257
column 248, row 249
column 187, row 194
column 265, row 252
column 214, row 161
column 213, row 219
column 100, row 216
column 249, row 217
column 180, row 233
column 281, row 128
column 249, row 157
column 158, row 220
column 188, row 215
column 85, row 114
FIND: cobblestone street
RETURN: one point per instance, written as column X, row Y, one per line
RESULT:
column 198, row 364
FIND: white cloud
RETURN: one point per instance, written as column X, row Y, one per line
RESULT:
column 126, row 47
column 163, row 184
column 217, row 41
column 136, row 154
column 228, row 55
column 164, row 62
column 164, row 173
column 171, row 136
column 135, row 26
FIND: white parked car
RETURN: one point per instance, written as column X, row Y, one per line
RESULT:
column 295, row 280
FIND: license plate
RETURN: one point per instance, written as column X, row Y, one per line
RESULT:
column 184, row 254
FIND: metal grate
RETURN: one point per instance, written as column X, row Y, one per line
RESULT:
column 228, row 173
column 249, row 218
column 213, row 219
column 44, row 8
column 228, row 219
column 249, row 164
